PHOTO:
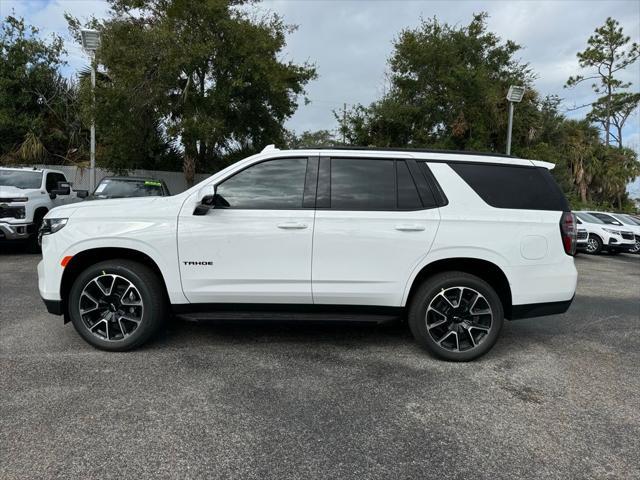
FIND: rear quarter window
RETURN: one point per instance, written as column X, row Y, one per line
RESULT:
column 514, row 187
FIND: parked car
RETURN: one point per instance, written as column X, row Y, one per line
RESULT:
column 632, row 224
column 455, row 241
column 26, row 195
column 619, row 221
column 126, row 187
column 604, row 237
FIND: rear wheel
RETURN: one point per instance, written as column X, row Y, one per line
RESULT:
column 456, row 316
column 594, row 245
column 117, row 305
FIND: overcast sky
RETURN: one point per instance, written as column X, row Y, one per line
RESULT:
column 350, row 41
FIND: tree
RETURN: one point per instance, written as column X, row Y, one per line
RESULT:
column 447, row 89
column 607, row 54
column 308, row 139
column 205, row 71
column 39, row 111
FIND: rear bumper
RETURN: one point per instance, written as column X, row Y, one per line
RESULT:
column 539, row 309
column 11, row 231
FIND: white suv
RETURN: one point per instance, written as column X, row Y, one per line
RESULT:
column 602, row 236
column 454, row 241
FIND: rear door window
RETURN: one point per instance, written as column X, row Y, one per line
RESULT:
column 514, row 187
column 361, row 184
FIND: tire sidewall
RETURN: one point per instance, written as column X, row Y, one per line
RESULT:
column 426, row 294
column 150, row 316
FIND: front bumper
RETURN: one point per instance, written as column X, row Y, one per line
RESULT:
column 54, row 307
column 14, row 231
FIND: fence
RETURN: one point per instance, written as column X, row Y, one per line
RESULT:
column 80, row 176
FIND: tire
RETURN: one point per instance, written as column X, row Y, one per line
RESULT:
column 128, row 311
column 594, row 245
column 32, row 241
column 435, row 301
column 636, row 248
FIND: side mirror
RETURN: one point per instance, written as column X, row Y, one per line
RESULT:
column 64, row 188
column 207, row 200
column 82, row 193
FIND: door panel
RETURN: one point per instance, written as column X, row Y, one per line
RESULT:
column 255, row 255
column 365, row 258
column 374, row 226
column 257, row 248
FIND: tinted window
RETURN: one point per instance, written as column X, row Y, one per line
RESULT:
column 276, row 184
column 358, row 184
column 53, row 179
column 606, row 218
column 502, row 186
column 408, row 197
column 585, row 217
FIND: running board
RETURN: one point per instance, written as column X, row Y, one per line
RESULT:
column 276, row 312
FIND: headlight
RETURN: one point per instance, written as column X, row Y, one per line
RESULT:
column 52, row 225
column 613, row 232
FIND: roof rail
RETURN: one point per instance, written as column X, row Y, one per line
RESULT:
column 418, row 150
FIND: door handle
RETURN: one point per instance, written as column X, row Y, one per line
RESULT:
column 292, row 226
column 410, row 228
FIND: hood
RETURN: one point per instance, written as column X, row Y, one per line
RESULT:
column 123, row 207
column 14, row 192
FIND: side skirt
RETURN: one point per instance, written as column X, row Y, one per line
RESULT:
column 282, row 312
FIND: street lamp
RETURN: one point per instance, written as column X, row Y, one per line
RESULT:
column 514, row 95
column 90, row 43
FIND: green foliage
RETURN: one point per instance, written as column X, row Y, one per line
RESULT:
column 307, row 139
column 38, row 109
column 447, row 89
column 203, row 72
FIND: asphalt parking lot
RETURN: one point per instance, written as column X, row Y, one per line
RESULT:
column 558, row 397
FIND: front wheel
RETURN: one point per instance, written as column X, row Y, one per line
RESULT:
column 117, row 305
column 456, row 316
column 594, row 245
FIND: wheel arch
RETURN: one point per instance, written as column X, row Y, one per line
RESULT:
column 80, row 261
column 484, row 269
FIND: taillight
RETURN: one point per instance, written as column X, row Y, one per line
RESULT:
column 568, row 232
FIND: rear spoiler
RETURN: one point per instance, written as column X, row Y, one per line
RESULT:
column 540, row 163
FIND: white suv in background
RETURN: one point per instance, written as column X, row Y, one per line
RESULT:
column 456, row 242
column 623, row 221
column 602, row 236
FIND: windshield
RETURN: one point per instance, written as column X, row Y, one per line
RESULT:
column 585, row 217
column 20, row 179
column 112, row 188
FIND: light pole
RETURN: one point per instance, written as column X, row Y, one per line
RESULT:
column 514, row 95
column 90, row 42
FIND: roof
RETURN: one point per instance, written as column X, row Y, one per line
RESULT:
column 23, row 169
column 420, row 154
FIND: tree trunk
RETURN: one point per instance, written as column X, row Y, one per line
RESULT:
column 189, row 169
column 190, row 161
